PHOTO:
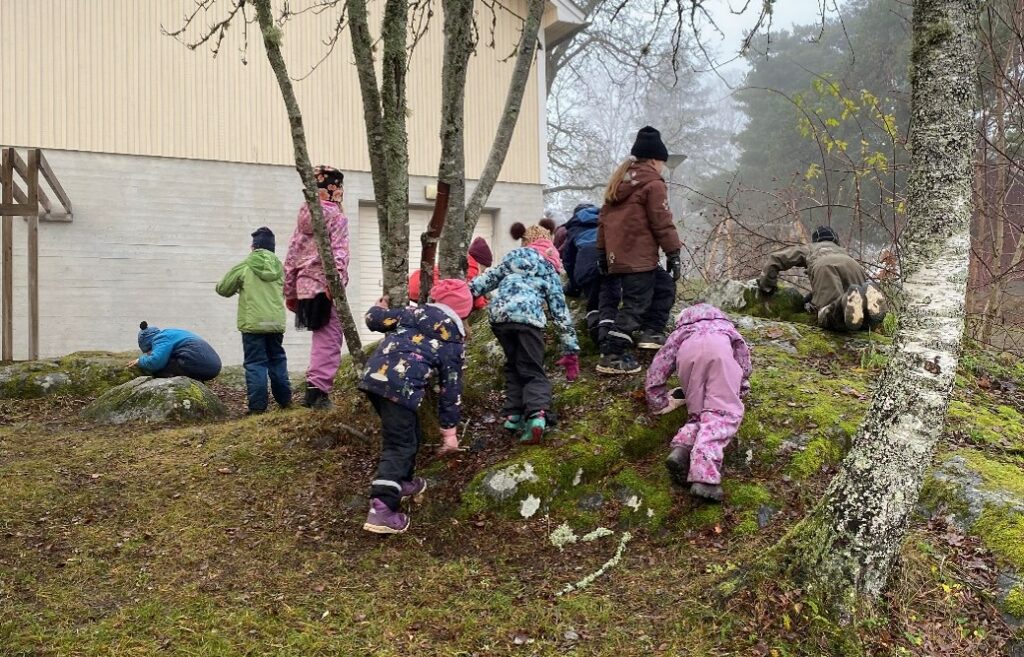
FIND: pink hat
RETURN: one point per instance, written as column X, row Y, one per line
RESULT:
column 453, row 293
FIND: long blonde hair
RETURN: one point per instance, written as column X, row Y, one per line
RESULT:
column 611, row 192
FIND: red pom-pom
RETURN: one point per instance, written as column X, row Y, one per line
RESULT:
column 548, row 223
column 517, row 230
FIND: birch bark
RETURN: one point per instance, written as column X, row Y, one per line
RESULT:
column 845, row 549
column 272, row 43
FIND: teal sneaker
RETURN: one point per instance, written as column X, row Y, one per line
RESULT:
column 514, row 423
column 533, row 431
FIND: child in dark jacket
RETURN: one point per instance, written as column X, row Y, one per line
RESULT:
column 635, row 225
column 258, row 281
column 526, row 280
column 175, row 352
column 713, row 364
column 419, row 341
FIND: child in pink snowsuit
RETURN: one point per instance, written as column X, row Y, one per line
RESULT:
column 713, row 364
column 305, row 285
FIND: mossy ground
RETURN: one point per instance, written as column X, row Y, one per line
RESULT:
column 242, row 537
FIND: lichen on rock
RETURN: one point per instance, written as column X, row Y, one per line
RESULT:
column 146, row 399
column 83, row 374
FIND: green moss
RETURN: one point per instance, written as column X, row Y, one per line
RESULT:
column 706, row 515
column 747, row 524
column 1013, row 604
column 1001, row 530
column 943, row 496
column 746, row 496
column 818, row 453
column 654, row 497
column 987, row 423
column 996, row 475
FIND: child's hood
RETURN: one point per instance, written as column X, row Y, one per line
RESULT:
column 585, row 217
column 638, row 177
column 435, row 321
column 701, row 312
column 265, row 265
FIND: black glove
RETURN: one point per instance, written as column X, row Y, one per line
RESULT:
column 602, row 263
column 765, row 287
column 674, row 266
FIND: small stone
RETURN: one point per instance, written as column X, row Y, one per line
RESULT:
column 591, row 502
column 764, row 515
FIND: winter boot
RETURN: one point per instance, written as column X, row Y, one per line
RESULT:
column 711, row 492
column 316, row 398
column 678, row 464
column 382, row 520
column 876, row 307
column 653, row 340
column 618, row 364
column 853, row 309
column 514, row 422
column 533, row 431
column 414, row 489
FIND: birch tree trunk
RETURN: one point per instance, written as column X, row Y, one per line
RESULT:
column 458, row 45
column 384, row 113
column 846, row 547
column 272, row 42
column 455, row 237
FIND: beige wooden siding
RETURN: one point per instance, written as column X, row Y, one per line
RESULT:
column 97, row 75
column 367, row 269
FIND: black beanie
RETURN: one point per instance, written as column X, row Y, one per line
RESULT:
column 649, row 146
column 824, row 234
column 263, row 238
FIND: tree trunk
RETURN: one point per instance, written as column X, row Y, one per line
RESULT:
column 455, row 239
column 458, row 45
column 428, row 242
column 272, row 42
column 846, row 547
column 384, row 112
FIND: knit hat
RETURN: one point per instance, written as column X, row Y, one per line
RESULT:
column 330, row 182
column 649, row 146
column 455, row 294
column 263, row 238
column 824, row 234
column 481, row 252
column 146, row 335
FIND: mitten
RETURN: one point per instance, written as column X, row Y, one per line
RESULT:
column 674, row 266
column 571, row 364
column 449, row 442
column 292, row 304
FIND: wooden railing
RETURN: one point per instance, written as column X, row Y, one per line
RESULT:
column 34, row 205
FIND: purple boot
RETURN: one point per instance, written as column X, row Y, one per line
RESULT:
column 414, row 489
column 382, row 520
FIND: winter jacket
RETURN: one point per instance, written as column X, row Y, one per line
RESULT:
column 633, row 227
column 830, row 269
column 472, row 270
column 304, row 276
column 419, row 341
column 697, row 320
column 258, row 281
column 579, row 251
column 526, row 282
column 160, row 345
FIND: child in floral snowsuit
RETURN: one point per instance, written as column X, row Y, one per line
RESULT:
column 713, row 364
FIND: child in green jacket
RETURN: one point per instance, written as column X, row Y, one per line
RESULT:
column 258, row 281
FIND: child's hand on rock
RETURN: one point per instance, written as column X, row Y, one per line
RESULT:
column 132, row 364
column 676, row 399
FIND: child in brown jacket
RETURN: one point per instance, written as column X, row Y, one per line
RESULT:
column 635, row 225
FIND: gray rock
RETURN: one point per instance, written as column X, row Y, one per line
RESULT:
column 84, row 374
column 591, row 502
column 503, row 483
column 764, row 515
column 146, row 399
column 729, row 295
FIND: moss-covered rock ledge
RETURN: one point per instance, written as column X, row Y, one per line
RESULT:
column 82, row 374
column 145, row 399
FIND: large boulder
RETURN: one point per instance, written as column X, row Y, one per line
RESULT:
column 83, row 374
column 146, row 399
column 786, row 303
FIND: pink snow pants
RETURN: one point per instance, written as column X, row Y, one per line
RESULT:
column 325, row 354
column 711, row 378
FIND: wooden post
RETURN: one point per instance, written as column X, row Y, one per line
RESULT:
column 429, row 240
column 7, row 276
column 32, row 182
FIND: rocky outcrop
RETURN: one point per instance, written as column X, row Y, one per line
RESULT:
column 146, row 399
column 83, row 374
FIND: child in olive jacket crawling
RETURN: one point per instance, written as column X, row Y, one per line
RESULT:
column 526, row 280
column 713, row 364
column 419, row 341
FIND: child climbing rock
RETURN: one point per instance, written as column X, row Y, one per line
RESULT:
column 419, row 341
column 258, row 281
column 712, row 362
column 635, row 223
column 841, row 294
column 526, row 279
column 175, row 352
column 305, row 285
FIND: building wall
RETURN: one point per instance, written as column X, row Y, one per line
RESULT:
column 98, row 75
column 152, row 236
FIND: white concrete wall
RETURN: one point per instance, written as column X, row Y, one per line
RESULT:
column 152, row 236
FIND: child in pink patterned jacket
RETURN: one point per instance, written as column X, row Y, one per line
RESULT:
column 305, row 285
column 713, row 364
